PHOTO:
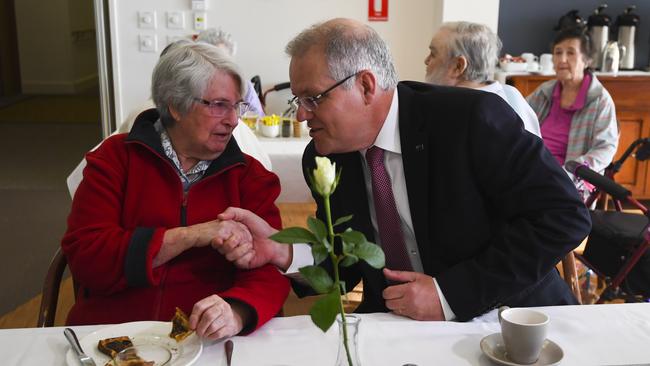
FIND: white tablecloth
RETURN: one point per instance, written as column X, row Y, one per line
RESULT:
column 286, row 159
column 589, row 335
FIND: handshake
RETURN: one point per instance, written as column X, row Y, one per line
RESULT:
column 243, row 238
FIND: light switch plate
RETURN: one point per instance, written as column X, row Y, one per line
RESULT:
column 199, row 5
column 148, row 43
column 147, row 19
column 175, row 20
column 200, row 21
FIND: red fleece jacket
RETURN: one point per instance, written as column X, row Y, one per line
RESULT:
column 130, row 195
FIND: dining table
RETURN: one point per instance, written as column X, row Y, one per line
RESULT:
column 286, row 158
column 610, row 334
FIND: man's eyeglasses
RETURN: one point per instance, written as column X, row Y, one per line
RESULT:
column 311, row 103
column 220, row 108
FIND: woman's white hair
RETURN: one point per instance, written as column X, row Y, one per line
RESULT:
column 478, row 44
column 348, row 51
column 219, row 38
column 183, row 73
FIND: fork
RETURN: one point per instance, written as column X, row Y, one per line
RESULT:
column 76, row 347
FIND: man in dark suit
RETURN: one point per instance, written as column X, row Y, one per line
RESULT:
column 479, row 212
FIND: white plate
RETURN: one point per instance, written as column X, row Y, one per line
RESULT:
column 184, row 353
column 493, row 347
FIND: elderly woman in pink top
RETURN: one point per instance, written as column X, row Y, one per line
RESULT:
column 576, row 114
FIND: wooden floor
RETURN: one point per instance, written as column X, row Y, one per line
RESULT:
column 26, row 315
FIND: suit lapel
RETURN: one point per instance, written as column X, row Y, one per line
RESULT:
column 413, row 138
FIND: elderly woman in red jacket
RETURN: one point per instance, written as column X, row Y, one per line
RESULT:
column 144, row 219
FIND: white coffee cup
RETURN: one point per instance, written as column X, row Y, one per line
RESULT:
column 524, row 332
column 533, row 66
column 546, row 62
column 529, row 57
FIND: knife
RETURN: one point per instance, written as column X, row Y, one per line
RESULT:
column 76, row 347
column 229, row 346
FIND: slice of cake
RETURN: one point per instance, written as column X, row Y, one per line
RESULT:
column 180, row 326
column 113, row 346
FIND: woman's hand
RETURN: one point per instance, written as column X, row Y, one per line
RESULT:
column 180, row 239
column 219, row 231
column 213, row 318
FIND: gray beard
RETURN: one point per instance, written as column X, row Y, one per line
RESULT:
column 437, row 77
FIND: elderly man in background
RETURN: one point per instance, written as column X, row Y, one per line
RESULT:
column 464, row 54
column 472, row 211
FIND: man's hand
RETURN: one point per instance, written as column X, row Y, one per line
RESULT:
column 416, row 298
column 213, row 318
column 263, row 250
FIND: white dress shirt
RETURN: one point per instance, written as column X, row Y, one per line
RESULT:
column 514, row 98
column 389, row 140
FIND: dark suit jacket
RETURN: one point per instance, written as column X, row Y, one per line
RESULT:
column 492, row 210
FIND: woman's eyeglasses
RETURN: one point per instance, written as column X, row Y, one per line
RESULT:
column 220, row 108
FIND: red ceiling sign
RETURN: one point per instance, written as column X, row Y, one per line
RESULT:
column 378, row 10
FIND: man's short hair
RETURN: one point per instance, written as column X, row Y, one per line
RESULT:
column 348, row 50
column 478, row 44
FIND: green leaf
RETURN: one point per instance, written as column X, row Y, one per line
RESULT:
column 349, row 260
column 324, row 311
column 348, row 247
column 354, row 237
column 371, row 253
column 343, row 219
column 317, row 227
column 294, row 235
column 318, row 278
column 319, row 252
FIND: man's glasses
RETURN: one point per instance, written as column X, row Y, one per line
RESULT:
column 311, row 103
column 220, row 108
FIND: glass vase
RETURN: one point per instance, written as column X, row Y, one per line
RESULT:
column 352, row 326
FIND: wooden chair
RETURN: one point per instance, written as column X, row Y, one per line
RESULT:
column 51, row 286
column 570, row 275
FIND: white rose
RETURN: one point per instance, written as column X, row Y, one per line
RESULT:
column 324, row 176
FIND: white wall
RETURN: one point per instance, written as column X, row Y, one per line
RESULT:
column 478, row 11
column 50, row 62
column 263, row 27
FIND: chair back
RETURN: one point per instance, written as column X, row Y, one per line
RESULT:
column 570, row 275
column 51, row 286
column 257, row 85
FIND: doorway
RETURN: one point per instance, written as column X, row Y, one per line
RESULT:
column 49, row 118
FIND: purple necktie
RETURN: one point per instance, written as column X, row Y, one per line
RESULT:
column 388, row 221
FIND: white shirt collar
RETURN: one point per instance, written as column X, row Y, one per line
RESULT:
column 388, row 138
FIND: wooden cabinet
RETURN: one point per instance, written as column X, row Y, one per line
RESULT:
column 631, row 96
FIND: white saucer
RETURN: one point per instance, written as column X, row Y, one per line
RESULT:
column 494, row 348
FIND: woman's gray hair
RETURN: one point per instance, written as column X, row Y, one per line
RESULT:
column 219, row 38
column 348, row 50
column 478, row 44
column 183, row 73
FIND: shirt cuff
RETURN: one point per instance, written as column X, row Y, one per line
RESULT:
column 302, row 257
column 446, row 309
